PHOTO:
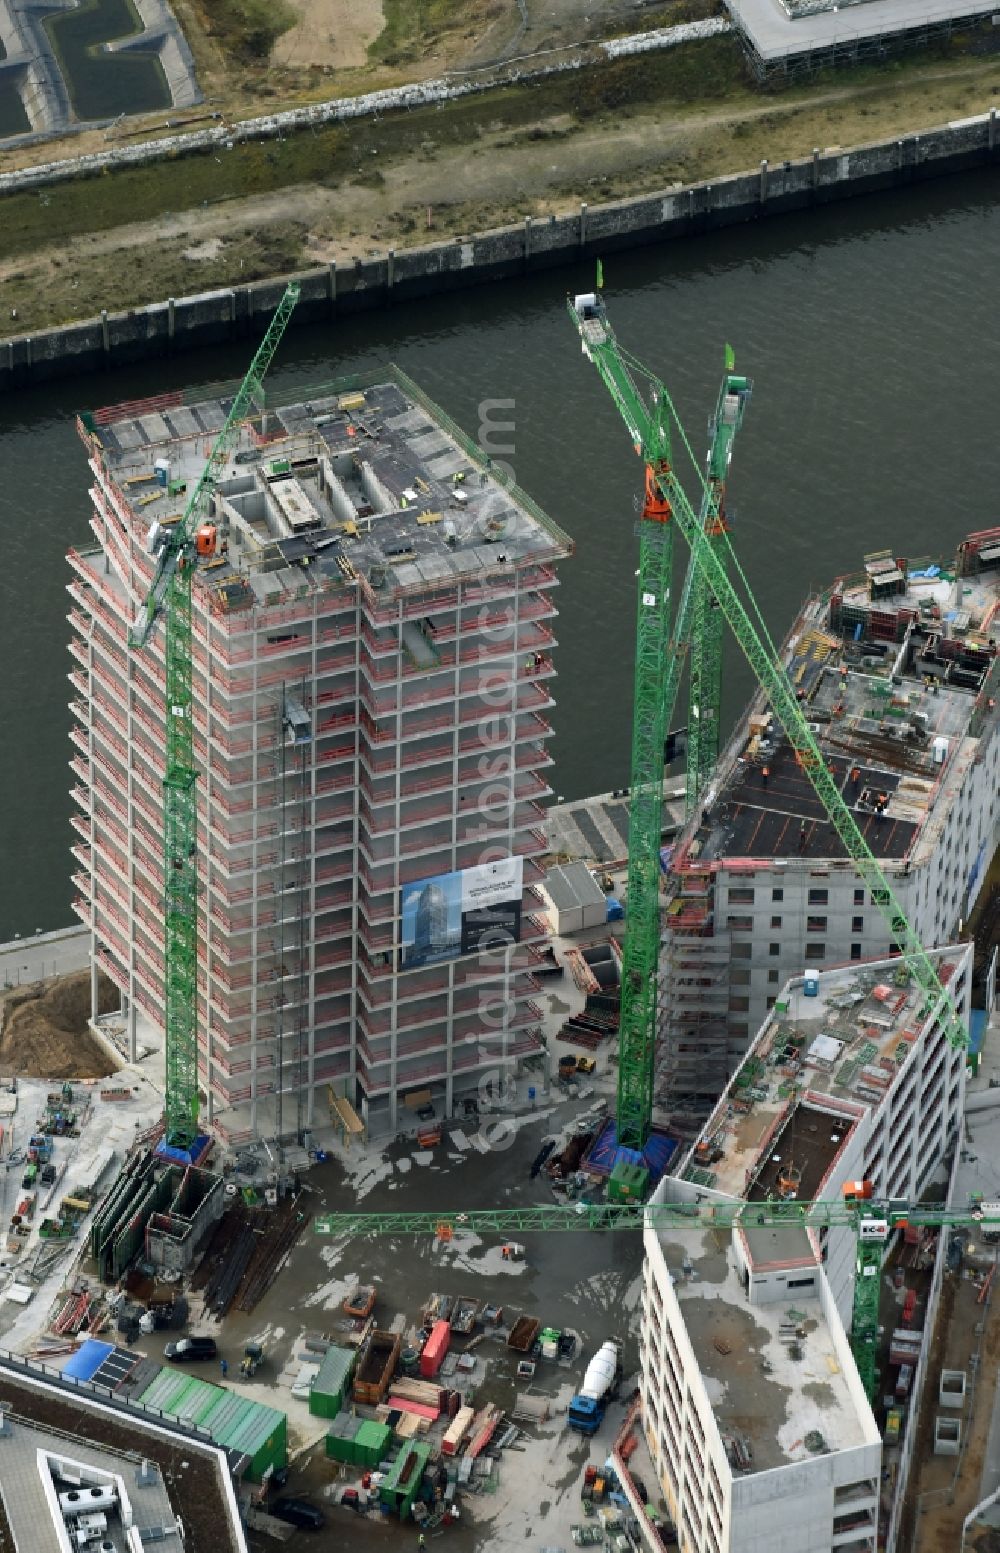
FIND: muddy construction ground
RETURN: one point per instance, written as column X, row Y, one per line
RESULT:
column 43, row 1029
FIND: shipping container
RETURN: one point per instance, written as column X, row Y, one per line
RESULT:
column 435, row 1349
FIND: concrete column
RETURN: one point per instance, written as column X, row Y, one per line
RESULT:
column 27, row 352
column 815, row 168
column 899, row 155
column 171, row 319
column 527, row 238
column 390, row 268
column 232, row 305
column 105, row 331
column 763, row 180
column 133, row 1031
column 993, row 128
column 583, row 224
column 94, row 999
column 332, row 284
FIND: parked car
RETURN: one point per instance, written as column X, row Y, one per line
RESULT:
column 188, row 1348
column 298, row 1512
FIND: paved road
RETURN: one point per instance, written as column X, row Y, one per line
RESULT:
column 46, row 954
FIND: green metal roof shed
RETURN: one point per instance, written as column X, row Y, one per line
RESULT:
column 261, row 1434
column 232, row 1421
column 326, row 1396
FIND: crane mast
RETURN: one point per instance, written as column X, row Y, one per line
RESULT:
column 658, row 662
column 695, row 612
column 707, row 621
column 170, row 594
column 601, row 347
column 640, row 957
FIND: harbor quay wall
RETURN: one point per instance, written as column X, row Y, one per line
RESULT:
column 211, row 317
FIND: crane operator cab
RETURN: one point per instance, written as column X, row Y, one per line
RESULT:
column 592, row 318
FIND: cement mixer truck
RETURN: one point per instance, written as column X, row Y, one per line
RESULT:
column 600, row 1383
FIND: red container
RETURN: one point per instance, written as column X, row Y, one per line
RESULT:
column 435, row 1349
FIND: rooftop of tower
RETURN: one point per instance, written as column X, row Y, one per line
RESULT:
column 363, row 479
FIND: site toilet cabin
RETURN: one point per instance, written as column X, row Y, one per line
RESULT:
column 810, row 984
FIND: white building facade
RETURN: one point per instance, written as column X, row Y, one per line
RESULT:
column 762, row 1442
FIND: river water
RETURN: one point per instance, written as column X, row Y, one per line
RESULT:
column 872, row 335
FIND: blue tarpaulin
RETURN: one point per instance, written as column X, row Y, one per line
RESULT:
column 604, row 1152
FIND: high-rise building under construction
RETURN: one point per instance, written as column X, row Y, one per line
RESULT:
column 373, row 640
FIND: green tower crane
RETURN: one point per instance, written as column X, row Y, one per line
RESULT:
column 637, row 1019
column 871, row 1220
column 707, row 621
column 708, row 552
column 696, row 614
column 658, row 661
column 170, row 594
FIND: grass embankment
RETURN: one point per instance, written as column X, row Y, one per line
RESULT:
column 598, row 133
column 413, row 27
column 247, row 30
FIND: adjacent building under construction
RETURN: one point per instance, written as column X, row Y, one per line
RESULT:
column 896, row 668
column 372, row 625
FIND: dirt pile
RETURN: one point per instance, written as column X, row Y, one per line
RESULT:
column 44, row 1029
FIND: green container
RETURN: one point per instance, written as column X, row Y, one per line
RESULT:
column 328, row 1390
column 372, row 1443
column 341, row 1438
column 628, row 1183
column 402, row 1482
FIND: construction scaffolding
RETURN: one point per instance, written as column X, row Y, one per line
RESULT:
column 373, row 584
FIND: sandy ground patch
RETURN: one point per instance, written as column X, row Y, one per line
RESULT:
column 44, row 1030
column 331, row 32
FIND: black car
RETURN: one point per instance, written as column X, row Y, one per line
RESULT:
column 298, row 1512
column 188, row 1348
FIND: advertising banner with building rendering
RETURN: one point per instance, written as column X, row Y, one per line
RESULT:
column 458, row 913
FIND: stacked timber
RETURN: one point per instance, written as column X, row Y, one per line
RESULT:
column 424, row 1392
column 457, row 1430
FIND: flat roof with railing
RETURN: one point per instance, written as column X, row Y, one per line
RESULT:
column 362, row 480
